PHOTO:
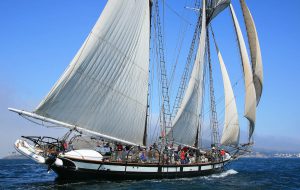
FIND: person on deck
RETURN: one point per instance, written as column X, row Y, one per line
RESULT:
column 166, row 155
column 143, row 156
column 178, row 148
column 222, row 152
column 119, row 149
column 154, row 146
column 182, row 157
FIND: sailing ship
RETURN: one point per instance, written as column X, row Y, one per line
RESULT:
column 103, row 98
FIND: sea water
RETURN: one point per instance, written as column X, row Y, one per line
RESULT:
column 246, row 173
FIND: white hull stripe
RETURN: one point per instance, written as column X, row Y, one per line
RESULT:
column 151, row 169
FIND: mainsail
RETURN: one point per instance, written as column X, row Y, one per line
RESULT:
column 250, row 95
column 186, row 121
column 104, row 89
column 254, row 50
column 231, row 130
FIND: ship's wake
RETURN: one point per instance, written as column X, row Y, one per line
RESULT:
column 209, row 178
column 224, row 174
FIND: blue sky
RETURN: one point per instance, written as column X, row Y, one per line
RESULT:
column 39, row 39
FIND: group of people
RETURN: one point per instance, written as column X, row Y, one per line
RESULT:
column 154, row 154
column 116, row 152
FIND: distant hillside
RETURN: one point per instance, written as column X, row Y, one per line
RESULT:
column 14, row 155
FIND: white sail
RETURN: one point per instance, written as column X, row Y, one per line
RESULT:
column 104, row 89
column 254, row 50
column 250, row 95
column 186, row 121
column 231, row 130
column 215, row 7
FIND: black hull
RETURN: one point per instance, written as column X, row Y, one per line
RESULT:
column 84, row 174
column 74, row 173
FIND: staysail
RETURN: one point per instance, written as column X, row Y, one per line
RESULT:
column 254, row 50
column 104, row 89
column 186, row 121
column 250, row 95
column 231, row 130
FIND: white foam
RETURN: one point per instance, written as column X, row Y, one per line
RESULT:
column 224, row 174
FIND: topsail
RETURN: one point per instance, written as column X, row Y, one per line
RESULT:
column 104, row 89
column 254, row 50
column 214, row 7
column 250, row 95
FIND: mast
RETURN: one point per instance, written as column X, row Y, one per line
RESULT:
column 197, row 138
column 146, row 120
column 186, row 121
column 165, row 110
column 145, row 138
column 213, row 111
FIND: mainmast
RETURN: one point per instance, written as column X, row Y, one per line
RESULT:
column 186, row 120
column 147, row 118
column 165, row 116
column 213, row 111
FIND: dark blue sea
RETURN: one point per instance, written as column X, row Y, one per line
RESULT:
column 246, row 173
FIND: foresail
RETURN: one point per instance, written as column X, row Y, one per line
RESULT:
column 250, row 95
column 104, row 89
column 186, row 121
column 231, row 130
column 254, row 50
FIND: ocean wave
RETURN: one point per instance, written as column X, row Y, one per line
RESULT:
column 224, row 174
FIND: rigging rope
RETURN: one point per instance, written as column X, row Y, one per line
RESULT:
column 182, row 35
column 186, row 72
column 176, row 13
column 41, row 124
column 180, row 42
